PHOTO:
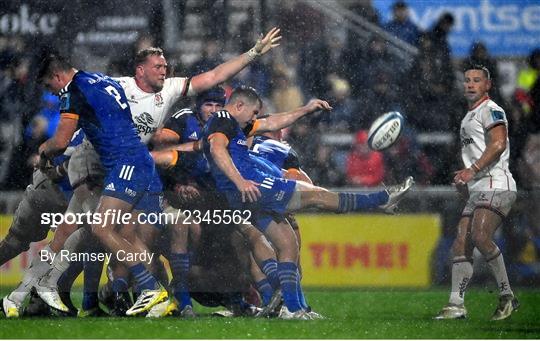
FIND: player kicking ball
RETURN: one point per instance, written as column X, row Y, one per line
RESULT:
column 250, row 182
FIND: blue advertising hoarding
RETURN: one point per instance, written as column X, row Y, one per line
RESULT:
column 507, row 27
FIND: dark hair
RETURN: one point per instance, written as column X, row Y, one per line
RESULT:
column 51, row 63
column 482, row 68
column 142, row 55
column 246, row 92
column 216, row 94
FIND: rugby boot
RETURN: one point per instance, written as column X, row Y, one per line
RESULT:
column 285, row 314
column 396, row 193
column 147, row 299
column 507, row 304
column 50, row 296
column 10, row 308
column 452, row 312
column 165, row 308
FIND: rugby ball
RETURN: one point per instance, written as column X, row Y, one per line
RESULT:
column 385, row 130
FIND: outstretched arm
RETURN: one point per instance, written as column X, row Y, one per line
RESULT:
column 277, row 121
column 230, row 68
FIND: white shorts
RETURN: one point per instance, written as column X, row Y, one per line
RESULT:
column 499, row 202
column 84, row 165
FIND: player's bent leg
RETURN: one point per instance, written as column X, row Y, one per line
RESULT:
column 283, row 238
column 47, row 287
column 484, row 224
column 42, row 196
column 152, row 292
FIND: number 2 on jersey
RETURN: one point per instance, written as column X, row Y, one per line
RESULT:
column 113, row 92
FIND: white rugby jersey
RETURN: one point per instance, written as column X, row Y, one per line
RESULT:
column 474, row 138
column 149, row 110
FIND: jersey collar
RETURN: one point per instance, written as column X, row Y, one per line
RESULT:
column 484, row 99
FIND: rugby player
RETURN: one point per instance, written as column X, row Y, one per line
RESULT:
column 249, row 182
column 490, row 190
column 150, row 96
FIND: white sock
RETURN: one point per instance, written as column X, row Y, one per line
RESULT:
column 61, row 262
column 38, row 267
column 462, row 271
column 496, row 264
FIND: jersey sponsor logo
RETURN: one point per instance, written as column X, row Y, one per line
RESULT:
column 143, row 123
column 158, row 100
column 130, row 192
column 194, row 136
column 110, row 187
column 126, row 172
column 131, row 99
column 223, row 114
column 279, row 195
column 466, row 141
column 242, row 142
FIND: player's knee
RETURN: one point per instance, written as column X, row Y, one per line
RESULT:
column 480, row 239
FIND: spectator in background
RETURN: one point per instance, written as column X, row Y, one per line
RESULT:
column 380, row 98
column 210, row 58
column 286, row 95
column 401, row 25
column 364, row 8
column 479, row 55
column 340, row 119
column 314, row 68
column 428, row 102
column 406, row 154
column 365, row 167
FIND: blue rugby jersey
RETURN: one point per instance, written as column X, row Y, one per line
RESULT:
column 250, row 166
column 188, row 126
column 278, row 153
column 100, row 105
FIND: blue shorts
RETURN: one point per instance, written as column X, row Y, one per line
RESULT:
column 272, row 205
column 135, row 183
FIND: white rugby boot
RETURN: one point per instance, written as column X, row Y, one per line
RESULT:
column 285, row 314
column 11, row 309
column 49, row 294
column 452, row 312
column 147, row 299
column 396, row 193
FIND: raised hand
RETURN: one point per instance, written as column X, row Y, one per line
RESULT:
column 270, row 40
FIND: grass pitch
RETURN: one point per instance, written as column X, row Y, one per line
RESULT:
column 351, row 314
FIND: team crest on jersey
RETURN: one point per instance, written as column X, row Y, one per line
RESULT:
column 158, row 100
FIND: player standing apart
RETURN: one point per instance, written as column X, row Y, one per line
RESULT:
column 485, row 152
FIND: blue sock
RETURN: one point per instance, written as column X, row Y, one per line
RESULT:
column 179, row 263
column 288, row 278
column 119, row 285
column 301, row 297
column 270, row 269
column 92, row 275
column 144, row 278
column 350, row 202
column 265, row 290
